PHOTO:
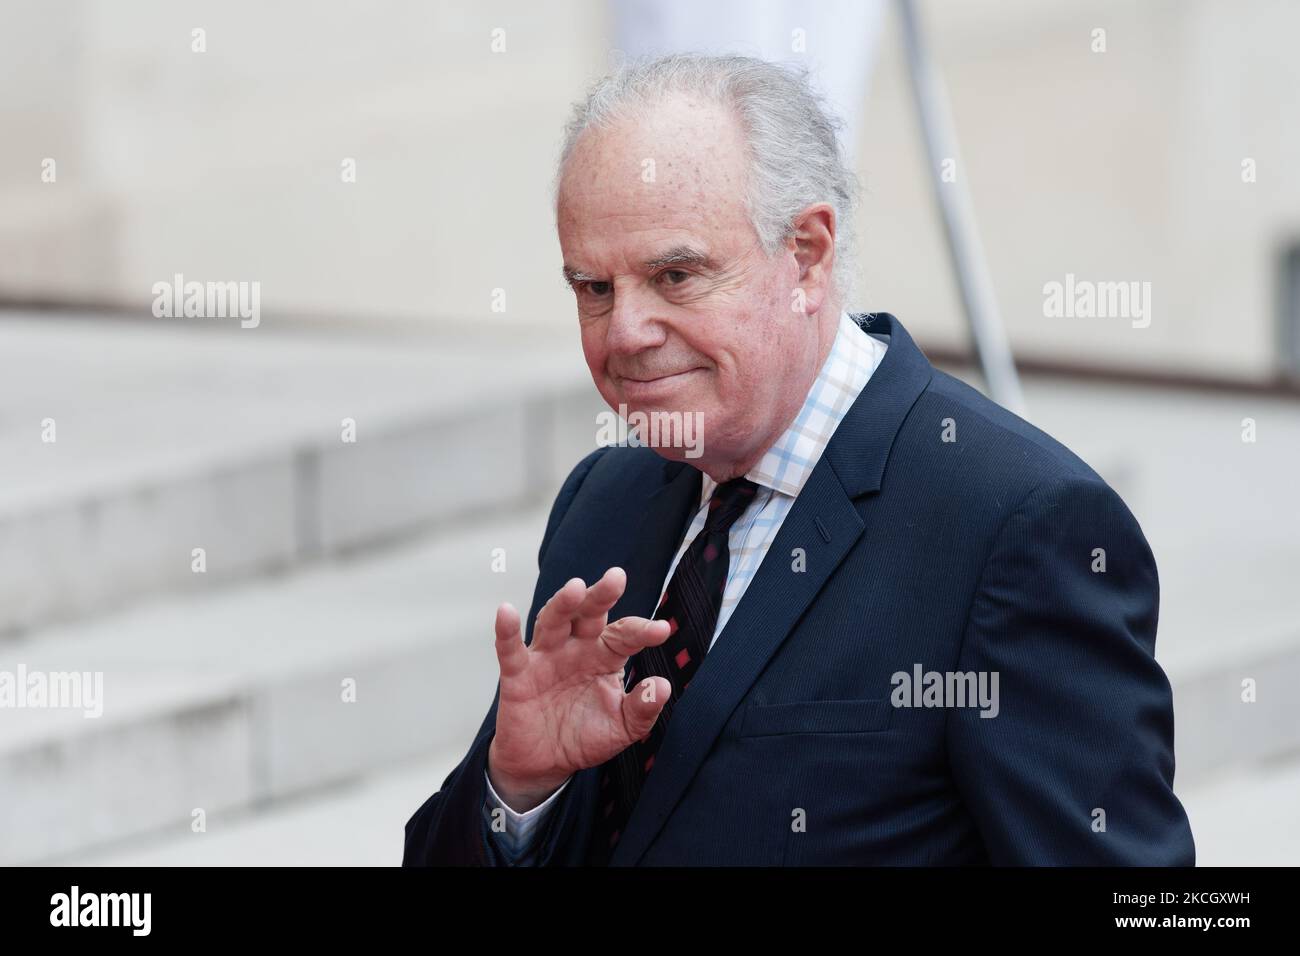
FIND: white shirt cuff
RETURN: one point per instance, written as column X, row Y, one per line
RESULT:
column 520, row 828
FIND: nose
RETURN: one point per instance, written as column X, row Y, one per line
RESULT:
column 633, row 325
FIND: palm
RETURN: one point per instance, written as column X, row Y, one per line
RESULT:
column 562, row 707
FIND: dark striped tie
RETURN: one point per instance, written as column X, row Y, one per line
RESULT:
column 690, row 604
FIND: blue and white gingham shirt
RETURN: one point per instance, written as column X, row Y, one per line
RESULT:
column 780, row 475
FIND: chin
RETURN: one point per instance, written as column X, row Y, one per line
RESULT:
column 675, row 430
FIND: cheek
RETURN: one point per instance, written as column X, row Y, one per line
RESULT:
column 758, row 366
column 593, row 350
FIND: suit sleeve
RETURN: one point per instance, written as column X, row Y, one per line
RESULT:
column 451, row 828
column 1077, row 766
column 516, row 833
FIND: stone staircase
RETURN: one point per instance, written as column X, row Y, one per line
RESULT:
column 325, row 561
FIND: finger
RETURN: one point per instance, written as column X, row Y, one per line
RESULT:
column 593, row 613
column 624, row 637
column 512, row 655
column 643, row 704
column 554, row 621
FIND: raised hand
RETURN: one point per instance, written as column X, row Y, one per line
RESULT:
column 562, row 707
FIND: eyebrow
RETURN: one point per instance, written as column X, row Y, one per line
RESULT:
column 681, row 256
column 676, row 256
column 572, row 276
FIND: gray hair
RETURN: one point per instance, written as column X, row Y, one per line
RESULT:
column 795, row 156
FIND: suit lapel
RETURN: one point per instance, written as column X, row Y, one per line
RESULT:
column 823, row 522
column 663, row 521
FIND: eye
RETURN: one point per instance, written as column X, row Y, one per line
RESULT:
column 674, row 276
column 596, row 288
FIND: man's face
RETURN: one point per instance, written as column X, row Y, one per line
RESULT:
column 679, row 307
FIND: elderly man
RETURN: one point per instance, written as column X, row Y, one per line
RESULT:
column 873, row 618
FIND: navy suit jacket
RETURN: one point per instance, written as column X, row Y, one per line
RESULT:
column 978, row 553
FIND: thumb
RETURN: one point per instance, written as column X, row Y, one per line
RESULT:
column 643, row 704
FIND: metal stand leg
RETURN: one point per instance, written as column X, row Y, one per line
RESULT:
column 989, row 335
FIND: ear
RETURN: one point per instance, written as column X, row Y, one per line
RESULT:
column 813, row 242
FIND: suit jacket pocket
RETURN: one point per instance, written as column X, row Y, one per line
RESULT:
column 816, row 717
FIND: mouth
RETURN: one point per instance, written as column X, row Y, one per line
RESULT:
column 642, row 388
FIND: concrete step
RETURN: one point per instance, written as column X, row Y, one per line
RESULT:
column 234, row 699
column 173, row 435
column 365, row 820
column 1247, row 819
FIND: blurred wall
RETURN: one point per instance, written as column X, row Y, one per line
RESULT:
column 1123, row 165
